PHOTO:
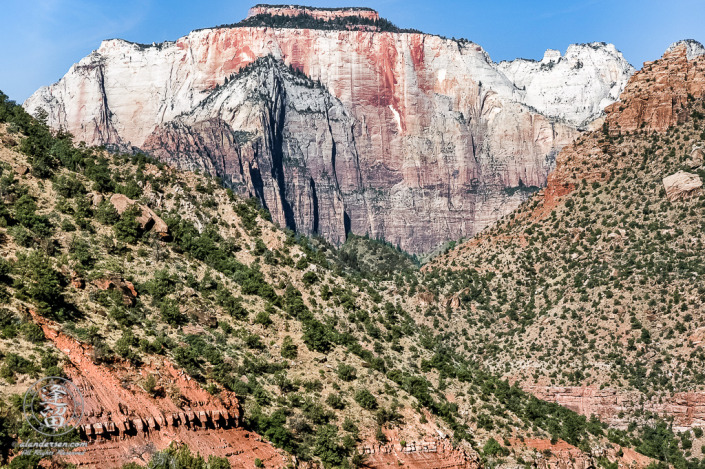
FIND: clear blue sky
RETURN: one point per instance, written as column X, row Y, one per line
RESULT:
column 41, row 39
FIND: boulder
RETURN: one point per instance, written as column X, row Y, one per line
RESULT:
column 697, row 157
column 95, row 198
column 682, row 185
column 129, row 294
column 148, row 220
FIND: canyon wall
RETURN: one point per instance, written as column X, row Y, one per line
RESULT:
column 409, row 137
column 616, row 407
column 318, row 13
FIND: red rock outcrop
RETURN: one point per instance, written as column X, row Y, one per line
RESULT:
column 124, row 423
column 326, row 14
column 409, row 137
column 129, row 294
column 427, row 454
column 148, row 220
column 686, row 408
column 656, row 96
column 562, row 455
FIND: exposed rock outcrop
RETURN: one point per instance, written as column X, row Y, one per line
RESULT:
column 657, row 95
column 693, row 48
column 148, row 220
column 326, row 14
column 562, row 455
column 413, row 138
column 568, row 86
column 432, row 453
column 614, row 406
column 697, row 157
column 117, row 408
column 682, row 185
column 129, row 294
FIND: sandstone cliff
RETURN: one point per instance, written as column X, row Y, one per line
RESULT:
column 318, row 13
column 434, row 140
column 566, row 86
column 659, row 94
column 579, row 267
column 123, row 423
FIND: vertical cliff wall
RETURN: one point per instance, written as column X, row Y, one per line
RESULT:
column 409, row 137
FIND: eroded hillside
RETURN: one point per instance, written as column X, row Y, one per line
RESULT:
column 591, row 293
column 161, row 289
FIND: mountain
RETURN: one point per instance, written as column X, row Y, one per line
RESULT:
column 589, row 294
column 340, row 122
column 202, row 335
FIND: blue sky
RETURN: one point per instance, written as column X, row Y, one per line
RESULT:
column 42, row 38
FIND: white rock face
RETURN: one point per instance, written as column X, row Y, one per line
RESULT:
column 412, row 138
column 575, row 87
column 682, row 185
column 695, row 49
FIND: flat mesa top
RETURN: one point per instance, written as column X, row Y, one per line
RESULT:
column 315, row 12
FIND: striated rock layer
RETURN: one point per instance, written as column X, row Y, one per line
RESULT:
column 117, row 408
column 326, row 14
column 413, row 138
column 615, row 407
column 657, row 95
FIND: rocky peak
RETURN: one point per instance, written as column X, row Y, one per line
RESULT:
column 409, row 137
column 326, row 14
column 693, row 48
column 658, row 95
column 551, row 55
column 574, row 87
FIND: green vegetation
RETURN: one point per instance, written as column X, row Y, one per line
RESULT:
column 305, row 21
column 324, row 348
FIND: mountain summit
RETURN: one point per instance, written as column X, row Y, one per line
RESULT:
column 405, row 136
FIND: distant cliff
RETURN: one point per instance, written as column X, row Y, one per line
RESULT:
column 409, row 137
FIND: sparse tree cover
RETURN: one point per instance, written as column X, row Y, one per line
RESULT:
column 325, row 347
column 305, row 21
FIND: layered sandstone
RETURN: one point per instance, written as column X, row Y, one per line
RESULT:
column 428, row 140
column 326, row 14
column 682, row 185
column 657, row 95
column 562, row 455
column 431, row 453
column 118, row 408
column 615, row 407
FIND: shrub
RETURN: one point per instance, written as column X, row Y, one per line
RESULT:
column 175, row 457
column 289, row 349
column 171, row 314
column 37, row 279
column 127, row 229
column 346, row 372
column 310, row 278
column 335, row 401
column 32, row 332
column 317, row 336
column 365, row 399
column 263, row 319
column 69, row 186
column 328, row 448
column 106, row 213
column 493, row 448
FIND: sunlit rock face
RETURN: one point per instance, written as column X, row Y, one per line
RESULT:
column 575, row 87
column 409, row 137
